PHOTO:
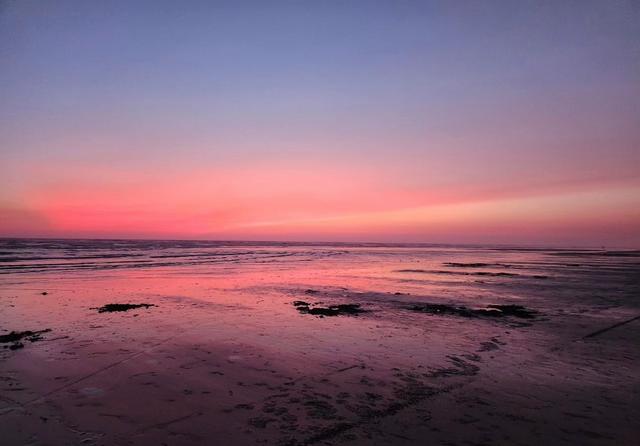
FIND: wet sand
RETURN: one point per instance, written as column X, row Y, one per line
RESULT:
column 540, row 348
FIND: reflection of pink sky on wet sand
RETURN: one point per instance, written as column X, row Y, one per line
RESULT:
column 225, row 356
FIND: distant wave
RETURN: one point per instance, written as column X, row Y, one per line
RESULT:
column 35, row 255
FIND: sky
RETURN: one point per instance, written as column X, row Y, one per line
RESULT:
column 494, row 122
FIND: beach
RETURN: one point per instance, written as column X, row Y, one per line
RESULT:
column 327, row 344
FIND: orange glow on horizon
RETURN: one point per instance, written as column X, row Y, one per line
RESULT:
column 299, row 202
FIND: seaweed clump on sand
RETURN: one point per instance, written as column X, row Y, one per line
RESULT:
column 332, row 310
column 490, row 311
column 459, row 273
column 511, row 310
column 110, row 308
column 15, row 337
column 475, row 265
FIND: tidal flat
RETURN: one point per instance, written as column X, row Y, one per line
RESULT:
column 192, row 343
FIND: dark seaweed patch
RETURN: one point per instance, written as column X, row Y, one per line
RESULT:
column 332, row 310
column 459, row 273
column 442, row 309
column 500, row 274
column 471, row 273
column 462, row 311
column 109, row 308
column 514, row 310
column 631, row 253
column 475, row 265
column 15, row 337
column 18, row 335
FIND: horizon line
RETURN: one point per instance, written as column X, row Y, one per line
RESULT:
column 531, row 246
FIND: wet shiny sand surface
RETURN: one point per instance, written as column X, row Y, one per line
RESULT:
column 224, row 357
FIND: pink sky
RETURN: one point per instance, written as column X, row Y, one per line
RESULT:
column 311, row 201
column 415, row 124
